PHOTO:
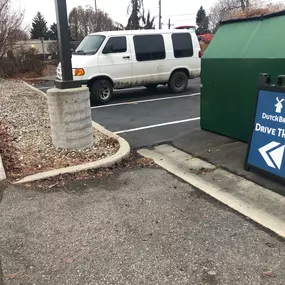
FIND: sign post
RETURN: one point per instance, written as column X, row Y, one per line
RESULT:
column 267, row 144
column 64, row 48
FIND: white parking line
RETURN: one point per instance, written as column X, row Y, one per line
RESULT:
column 157, row 125
column 145, row 101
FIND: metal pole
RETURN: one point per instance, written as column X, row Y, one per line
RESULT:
column 96, row 6
column 63, row 40
column 169, row 24
column 159, row 23
column 43, row 48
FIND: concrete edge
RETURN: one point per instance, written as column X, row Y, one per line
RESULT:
column 2, row 170
column 34, row 88
column 123, row 153
column 260, row 216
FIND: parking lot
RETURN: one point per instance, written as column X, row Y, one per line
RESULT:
column 145, row 118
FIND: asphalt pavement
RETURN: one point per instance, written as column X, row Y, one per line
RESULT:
column 135, row 226
column 146, row 118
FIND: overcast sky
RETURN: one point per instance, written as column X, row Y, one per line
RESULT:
column 181, row 12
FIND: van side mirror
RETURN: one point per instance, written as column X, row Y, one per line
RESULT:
column 108, row 49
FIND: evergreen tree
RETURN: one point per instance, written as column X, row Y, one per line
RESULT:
column 39, row 27
column 202, row 22
column 148, row 21
column 53, row 32
column 135, row 11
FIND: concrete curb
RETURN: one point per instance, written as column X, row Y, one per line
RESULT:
column 251, row 200
column 2, row 170
column 121, row 154
column 34, row 88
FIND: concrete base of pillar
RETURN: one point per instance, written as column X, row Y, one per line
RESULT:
column 70, row 117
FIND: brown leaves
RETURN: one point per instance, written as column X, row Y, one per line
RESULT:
column 269, row 274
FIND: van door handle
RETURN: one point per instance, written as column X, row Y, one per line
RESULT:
column 126, row 57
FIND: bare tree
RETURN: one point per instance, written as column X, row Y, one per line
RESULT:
column 225, row 9
column 74, row 25
column 234, row 9
column 10, row 26
column 85, row 21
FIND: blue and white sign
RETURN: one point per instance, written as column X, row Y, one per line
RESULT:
column 266, row 150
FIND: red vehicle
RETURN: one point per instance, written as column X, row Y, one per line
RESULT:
column 205, row 38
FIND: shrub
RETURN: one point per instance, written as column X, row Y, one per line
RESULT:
column 255, row 12
column 21, row 62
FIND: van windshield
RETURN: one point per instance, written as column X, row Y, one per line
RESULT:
column 90, row 45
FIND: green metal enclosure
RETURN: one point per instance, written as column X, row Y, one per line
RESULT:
column 238, row 53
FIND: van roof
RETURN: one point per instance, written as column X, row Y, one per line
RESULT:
column 142, row 32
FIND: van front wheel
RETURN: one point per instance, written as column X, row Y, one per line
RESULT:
column 178, row 82
column 101, row 91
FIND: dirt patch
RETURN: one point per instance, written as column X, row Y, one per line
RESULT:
column 55, row 183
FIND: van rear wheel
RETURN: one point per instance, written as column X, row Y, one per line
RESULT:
column 178, row 82
column 101, row 91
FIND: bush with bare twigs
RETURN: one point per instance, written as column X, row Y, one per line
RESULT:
column 255, row 12
column 23, row 61
column 10, row 27
column 232, row 9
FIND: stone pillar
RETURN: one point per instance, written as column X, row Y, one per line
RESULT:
column 70, row 118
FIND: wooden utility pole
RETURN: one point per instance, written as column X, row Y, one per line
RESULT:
column 159, row 23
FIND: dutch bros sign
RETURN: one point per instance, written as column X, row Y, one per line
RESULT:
column 267, row 145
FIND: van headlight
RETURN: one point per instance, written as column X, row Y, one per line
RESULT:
column 78, row 72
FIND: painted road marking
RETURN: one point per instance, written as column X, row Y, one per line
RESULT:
column 157, row 125
column 146, row 101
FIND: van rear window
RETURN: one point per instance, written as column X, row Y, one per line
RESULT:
column 149, row 47
column 182, row 45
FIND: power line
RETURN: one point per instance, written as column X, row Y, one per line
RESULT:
column 179, row 15
column 183, row 20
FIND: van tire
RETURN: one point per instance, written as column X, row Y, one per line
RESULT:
column 101, row 91
column 151, row 87
column 178, row 82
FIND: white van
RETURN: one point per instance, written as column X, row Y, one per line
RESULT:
column 125, row 59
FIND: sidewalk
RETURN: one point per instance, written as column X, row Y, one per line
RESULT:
column 135, row 226
column 224, row 152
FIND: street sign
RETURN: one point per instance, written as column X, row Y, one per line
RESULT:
column 267, row 144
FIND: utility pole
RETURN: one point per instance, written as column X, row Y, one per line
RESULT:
column 169, row 24
column 96, row 6
column 159, row 23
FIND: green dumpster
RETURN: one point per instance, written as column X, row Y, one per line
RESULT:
column 238, row 53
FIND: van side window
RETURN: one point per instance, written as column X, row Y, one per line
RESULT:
column 149, row 47
column 116, row 45
column 182, row 45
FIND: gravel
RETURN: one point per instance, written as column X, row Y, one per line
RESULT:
column 26, row 144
